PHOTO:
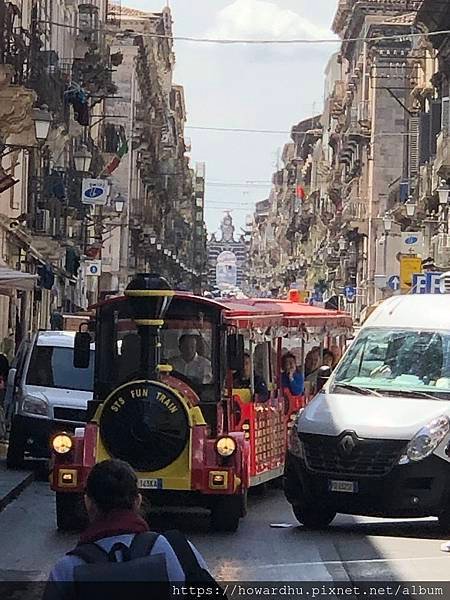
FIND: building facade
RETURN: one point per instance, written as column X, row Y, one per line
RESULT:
column 345, row 209
column 87, row 99
column 227, row 258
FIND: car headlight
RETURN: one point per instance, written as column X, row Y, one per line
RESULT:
column 35, row 406
column 225, row 446
column 295, row 446
column 426, row 440
column 62, row 443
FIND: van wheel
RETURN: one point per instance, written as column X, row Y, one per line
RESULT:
column 227, row 511
column 313, row 517
column 70, row 512
column 15, row 457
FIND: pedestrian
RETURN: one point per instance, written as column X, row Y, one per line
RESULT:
column 112, row 502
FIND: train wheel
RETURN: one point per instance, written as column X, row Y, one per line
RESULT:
column 314, row 517
column 70, row 512
column 227, row 511
column 15, row 457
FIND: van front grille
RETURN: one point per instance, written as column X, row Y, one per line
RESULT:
column 367, row 457
column 76, row 415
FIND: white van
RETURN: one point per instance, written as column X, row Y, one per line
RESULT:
column 45, row 394
column 376, row 440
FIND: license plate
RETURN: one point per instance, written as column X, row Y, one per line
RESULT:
column 150, row 484
column 349, row 487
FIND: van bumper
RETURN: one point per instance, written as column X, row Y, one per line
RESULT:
column 36, row 433
column 415, row 490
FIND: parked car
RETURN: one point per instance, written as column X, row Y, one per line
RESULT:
column 45, row 394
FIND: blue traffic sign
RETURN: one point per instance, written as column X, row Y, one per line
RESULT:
column 427, row 283
column 350, row 293
column 394, row 282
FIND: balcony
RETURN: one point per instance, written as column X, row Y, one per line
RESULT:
column 442, row 161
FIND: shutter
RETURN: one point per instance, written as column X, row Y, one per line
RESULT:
column 425, row 132
column 413, row 147
column 435, row 124
column 445, row 122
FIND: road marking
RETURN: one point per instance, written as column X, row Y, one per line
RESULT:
column 350, row 562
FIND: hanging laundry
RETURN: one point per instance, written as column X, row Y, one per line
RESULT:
column 79, row 100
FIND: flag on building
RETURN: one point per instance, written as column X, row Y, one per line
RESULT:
column 115, row 162
column 300, row 192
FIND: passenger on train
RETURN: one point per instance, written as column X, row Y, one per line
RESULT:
column 291, row 378
column 242, row 380
column 312, row 366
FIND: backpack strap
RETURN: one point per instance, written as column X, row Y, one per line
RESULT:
column 90, row 553
column 189, row 563
column 142, row 544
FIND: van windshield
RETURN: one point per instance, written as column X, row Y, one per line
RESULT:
column 399, row 361
column 52, row 367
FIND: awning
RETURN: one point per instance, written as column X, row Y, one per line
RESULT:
column 11, row 279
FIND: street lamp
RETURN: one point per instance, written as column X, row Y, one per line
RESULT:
column 411, row 207
column 82, row 159
column 153, row 240
column 119, row 203
column 443, row 192
column 42, row 121
column 159, row 247
column 342, row 243
column 388, row 221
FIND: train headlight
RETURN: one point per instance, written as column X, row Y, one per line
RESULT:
column 62, row 443
column 226, row 446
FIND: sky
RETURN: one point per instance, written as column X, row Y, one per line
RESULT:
column 246, row 87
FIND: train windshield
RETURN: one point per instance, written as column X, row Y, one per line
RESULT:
column 189, row 344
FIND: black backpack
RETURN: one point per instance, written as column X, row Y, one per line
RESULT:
column 104, row 575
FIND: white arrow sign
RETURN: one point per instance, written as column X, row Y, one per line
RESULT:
column 394, row 282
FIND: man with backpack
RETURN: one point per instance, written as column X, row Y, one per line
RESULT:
column 117, row 546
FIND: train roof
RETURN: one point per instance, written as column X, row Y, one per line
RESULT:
column 264, row 312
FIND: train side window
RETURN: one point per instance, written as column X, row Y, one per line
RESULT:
column 262, row 362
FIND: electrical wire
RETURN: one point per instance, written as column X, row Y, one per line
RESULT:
column 309, row 41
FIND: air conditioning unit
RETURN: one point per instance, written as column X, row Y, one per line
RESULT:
column 43, row 222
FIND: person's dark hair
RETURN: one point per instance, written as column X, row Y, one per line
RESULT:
column 327, row 352
column 246, row 354
column 112, row 485
column 186, row 336
column 285, row 357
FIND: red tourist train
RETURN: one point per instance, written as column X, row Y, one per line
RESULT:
column 189, row 392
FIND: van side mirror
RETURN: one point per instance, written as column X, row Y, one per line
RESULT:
column 323, row 376
column 82, row 348
column 235, row 352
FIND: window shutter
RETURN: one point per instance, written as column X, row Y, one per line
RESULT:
column 413, row 146
column 425, row 122
column 435, row 125
column 445, row 122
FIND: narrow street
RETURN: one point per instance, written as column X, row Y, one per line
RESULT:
column 353, row 549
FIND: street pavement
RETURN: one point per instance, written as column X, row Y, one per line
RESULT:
column 353, row 549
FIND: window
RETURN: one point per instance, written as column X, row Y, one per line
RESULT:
column 398, row 360
column 53, row 367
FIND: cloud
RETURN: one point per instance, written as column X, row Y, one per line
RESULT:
column 262, row 19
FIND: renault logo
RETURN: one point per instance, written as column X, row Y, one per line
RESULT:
column 347, row 445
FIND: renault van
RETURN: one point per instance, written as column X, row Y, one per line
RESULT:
column 45, row 394
column 375, row 441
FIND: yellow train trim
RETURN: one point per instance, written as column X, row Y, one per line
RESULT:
column 176, row 476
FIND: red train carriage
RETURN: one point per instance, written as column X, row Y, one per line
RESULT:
column 166, row 401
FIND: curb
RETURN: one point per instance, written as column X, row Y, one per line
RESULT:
column 15, row 491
